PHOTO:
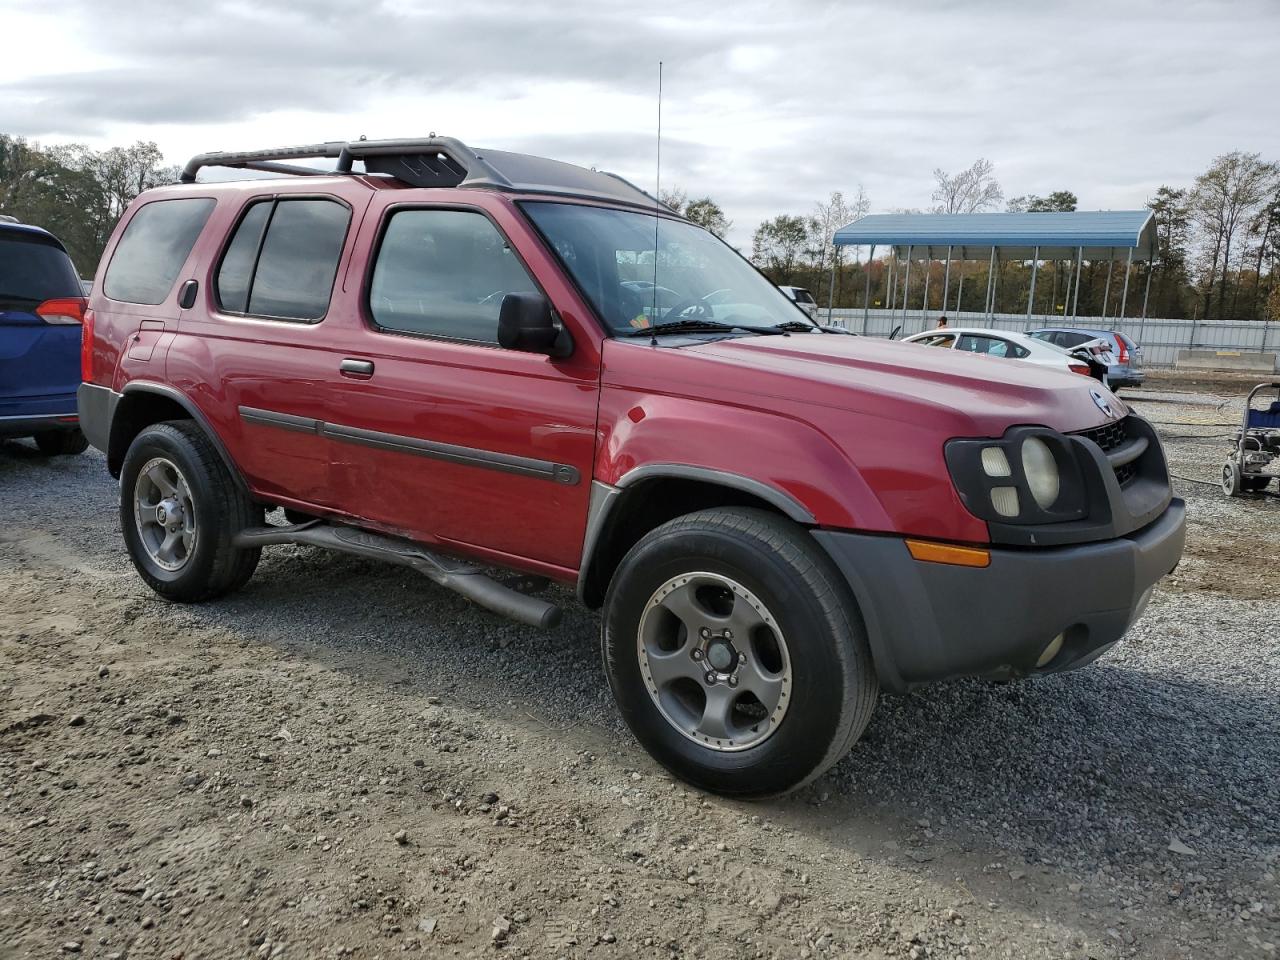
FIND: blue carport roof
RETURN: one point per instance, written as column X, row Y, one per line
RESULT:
column 1103, row 234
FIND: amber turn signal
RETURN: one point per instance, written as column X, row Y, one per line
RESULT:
column 949, row 553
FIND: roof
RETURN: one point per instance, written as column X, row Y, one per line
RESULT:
column 436, row 162
column 1104, row 234
column 12, row 226
column 978, row 331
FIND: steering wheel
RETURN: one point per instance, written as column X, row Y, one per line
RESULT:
column 693, row 307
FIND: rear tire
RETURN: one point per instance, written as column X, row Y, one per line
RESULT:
column 57, row 443
column 179, row 510
column 802, row 630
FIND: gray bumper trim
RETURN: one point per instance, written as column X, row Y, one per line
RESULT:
column 97, row 407
column 932, row 621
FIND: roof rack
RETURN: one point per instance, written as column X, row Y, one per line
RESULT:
column 435, row 162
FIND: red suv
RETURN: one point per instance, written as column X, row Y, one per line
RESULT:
column 456, row 360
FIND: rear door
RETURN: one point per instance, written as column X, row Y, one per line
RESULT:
column 440, row 433
column 39, row 356
column 255, row 350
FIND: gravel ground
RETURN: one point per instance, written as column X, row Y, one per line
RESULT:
column 343, row 760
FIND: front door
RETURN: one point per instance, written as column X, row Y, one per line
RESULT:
column 439, row 433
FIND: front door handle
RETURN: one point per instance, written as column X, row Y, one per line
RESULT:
column 187, row 296
column 359, row 369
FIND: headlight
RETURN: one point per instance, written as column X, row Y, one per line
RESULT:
column 1041, row 469
column 1030, row 476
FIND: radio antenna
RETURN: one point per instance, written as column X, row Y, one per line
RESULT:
column 657, row 205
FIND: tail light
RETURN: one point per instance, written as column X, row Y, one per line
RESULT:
column 1080, row 368
column 1123, row 356
column 64, row 312
column 86, row 347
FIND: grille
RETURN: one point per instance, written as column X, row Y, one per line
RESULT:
column 1110, row 437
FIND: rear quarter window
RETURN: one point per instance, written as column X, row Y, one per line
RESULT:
column 33, row 269
column 153, row 248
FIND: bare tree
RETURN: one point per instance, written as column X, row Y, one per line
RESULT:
column 969, row 191
column 1223, row 200
column 826, row 220
column 674, row 199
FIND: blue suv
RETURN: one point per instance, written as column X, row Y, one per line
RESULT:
column 42, row 309
column 1126, row 365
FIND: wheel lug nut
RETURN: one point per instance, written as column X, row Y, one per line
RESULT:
column 710, row 678
column 728, row 634
column 733, row 681
column 705, row 633
column 697, row 654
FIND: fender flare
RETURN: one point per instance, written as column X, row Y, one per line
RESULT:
column 605, row 496
column 788, row 504
column 187, row 404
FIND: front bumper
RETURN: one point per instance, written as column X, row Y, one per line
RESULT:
column 932, row 621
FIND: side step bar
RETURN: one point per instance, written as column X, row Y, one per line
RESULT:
column 457, row 575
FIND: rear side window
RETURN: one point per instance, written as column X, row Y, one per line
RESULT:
column 444, row 273
column 33, row 269
column 153, row 248
column 283, row 258
column 804, row 296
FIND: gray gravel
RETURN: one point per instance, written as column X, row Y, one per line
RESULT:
column 1173, row 739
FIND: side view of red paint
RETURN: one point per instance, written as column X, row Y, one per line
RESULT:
column 462, row 360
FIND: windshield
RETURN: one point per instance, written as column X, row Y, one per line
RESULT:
column 610, row 254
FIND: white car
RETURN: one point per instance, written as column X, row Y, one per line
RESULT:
column 1003, row 344
column 803, row 299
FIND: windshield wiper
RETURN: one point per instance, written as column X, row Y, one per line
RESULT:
column 701, row 326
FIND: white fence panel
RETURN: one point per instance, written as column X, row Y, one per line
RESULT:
column 1161, row 339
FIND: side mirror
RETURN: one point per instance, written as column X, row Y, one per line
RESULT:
column 526, row 322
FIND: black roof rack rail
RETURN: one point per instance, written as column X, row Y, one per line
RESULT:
column 435, row 162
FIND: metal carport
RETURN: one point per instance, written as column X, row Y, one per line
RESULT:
column 1104, row 235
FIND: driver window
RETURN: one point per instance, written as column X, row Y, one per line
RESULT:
column 444, row 273
column 938, row 340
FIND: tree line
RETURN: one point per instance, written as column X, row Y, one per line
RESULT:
column 74, row 192
column 1218, row 251
column 1218, row 237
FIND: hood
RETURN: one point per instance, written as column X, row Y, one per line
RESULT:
column 967, row 394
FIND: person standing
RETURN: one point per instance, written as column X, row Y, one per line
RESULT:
column 942, row 322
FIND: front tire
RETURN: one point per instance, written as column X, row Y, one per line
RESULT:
column 58, row 443
column 179, row 510
column 736, row 653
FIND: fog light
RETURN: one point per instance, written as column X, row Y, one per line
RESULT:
column 1052, row 650
column 994, row 462
column 1005, row 501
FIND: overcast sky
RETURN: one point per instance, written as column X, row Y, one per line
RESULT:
column 767, row 107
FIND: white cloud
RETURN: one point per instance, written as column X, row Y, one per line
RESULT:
column 767, row 108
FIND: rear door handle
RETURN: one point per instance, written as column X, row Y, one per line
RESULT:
column 360, row 369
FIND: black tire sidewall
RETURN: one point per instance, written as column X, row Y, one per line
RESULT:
column 804, row 737
column 166, row 441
